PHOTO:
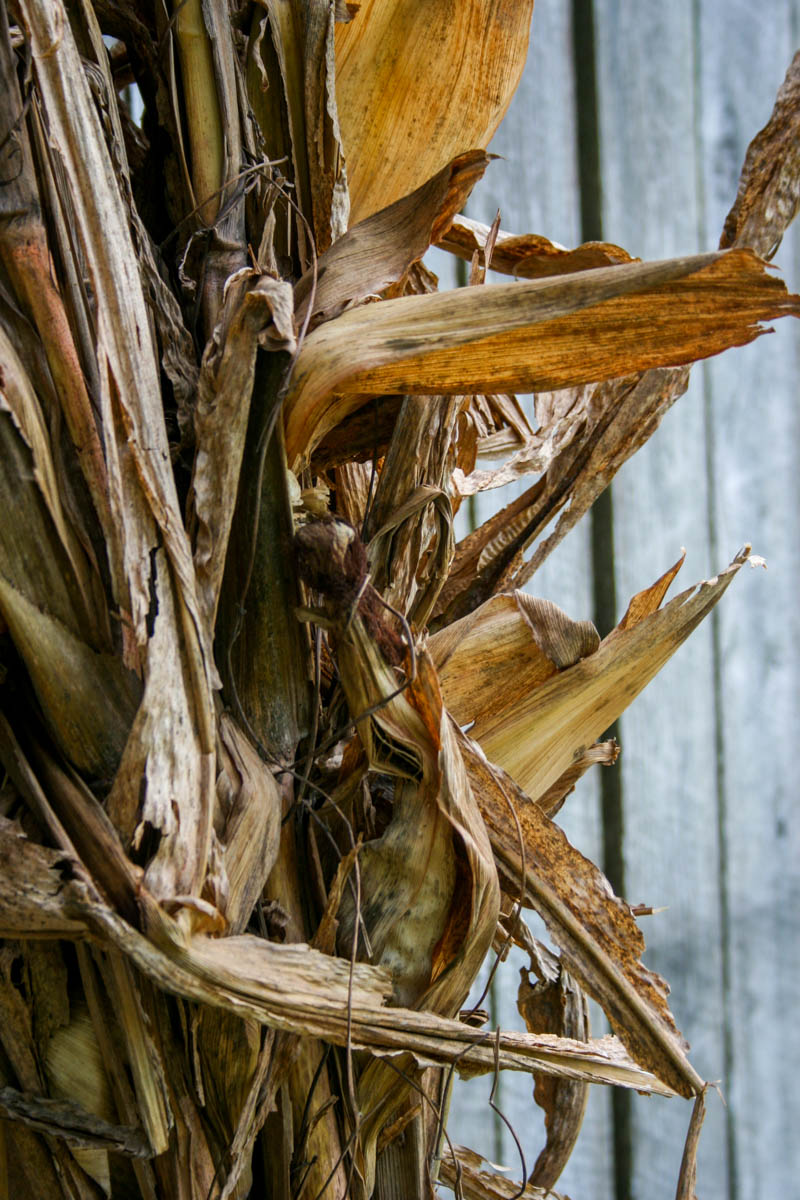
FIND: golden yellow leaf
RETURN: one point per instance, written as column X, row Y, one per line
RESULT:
column 402, row 116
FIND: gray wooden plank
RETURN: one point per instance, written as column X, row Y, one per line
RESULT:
column 535, row 185
column 646, row 87
column 755, row 458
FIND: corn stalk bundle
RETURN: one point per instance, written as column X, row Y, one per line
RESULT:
column 281, row 760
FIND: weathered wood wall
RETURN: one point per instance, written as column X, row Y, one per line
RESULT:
column 708, row 792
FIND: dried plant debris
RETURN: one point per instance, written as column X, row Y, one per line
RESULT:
column 555, row 1004
column 378, row 251
column 769, row 191
column 250, row 861
column 460, row 1169
column 388, row 82
column 529, row 255
column 532, row 336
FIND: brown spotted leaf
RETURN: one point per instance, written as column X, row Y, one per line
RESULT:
column 769, row 186
column 599, row 940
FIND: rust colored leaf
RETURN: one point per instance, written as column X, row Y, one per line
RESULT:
column 648, row 601
column 599, row 940
column 529, row 255
column 530, row 336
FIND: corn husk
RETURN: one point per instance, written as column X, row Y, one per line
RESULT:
column 389, row 80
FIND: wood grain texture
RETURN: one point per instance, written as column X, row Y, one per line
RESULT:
column 753, row 481
column 646, row 78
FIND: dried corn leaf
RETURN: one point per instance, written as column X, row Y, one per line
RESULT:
column 539, row 738
column 257, row 637
column 688, row 1175
column 649, row 601
column 485, row 560
column 556, row 1006
column 412, row 551
column 379, row 250
column 327, row 173
column 77, row 1079
column 30, row 882
column 530, row 336
column 533, row 452
column 70, row 1121
column 33, row 558
column 17, row 396
column 74, row 819
column 28, row 267
column 176, row 344
column 126, row 357
column 277, row 53
column 88, row 699
column 617, row 418
column 605, row 753
column 491, row 425
column 429, row 893
column 253, row 316
column 164, row 782
column 408, row 736
column 529, row 255
column 363, row 437
column 488, row 661
column 600, row 943
column 172, row 748
column 504, row 424
column 354, row 481
column 295, row 988
column 461, row 1168
column 436, row 1041
column 769, row 187
column 389, row 80
column 249, row 816
column 623, row 414
column 410, row 522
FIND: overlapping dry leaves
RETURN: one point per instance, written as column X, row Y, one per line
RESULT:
column 281, row 761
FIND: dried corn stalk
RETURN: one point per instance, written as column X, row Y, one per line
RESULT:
column 251, row 864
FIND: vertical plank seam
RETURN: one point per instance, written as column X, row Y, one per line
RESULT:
column 602, row 527
column 723, row 899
